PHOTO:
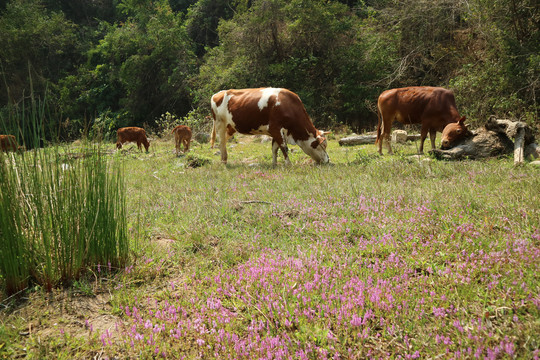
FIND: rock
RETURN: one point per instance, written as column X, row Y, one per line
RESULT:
column 399, row 136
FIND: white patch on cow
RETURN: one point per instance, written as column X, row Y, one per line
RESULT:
column 287, row 137
column 223, row 115
column 266, row 94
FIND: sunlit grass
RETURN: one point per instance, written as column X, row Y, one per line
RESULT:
column 368, row 257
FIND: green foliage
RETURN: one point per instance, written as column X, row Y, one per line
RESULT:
column 134, row 60
column 36, row 46
column 202, row 21
column 501, row 73
column 140, row 69
column 194, row 119
column 315, row 48
column 105, row 126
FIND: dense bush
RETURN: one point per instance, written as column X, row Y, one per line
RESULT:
column 133, row 61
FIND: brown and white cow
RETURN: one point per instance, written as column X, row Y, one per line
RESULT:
column 433, row 107
column 132, row 134
column 278, row 113
column 9, row 143
column 182, row 135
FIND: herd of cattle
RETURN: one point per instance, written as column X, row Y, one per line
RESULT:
column 280, row 114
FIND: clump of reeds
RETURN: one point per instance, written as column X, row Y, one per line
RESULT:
column 58, row 217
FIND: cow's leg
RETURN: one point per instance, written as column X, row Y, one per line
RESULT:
column 386, row 139
column 284, row 149
column 278, row 141
column 383, row 131
column 423, row 135
column 432, row 137
column 139, row 145
column 275, row 147
column 221, row 130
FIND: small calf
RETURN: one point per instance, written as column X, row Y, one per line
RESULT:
column 132, row 134
column 9, row 143
column 182, row 135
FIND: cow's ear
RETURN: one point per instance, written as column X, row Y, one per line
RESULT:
column 461, row 121
column 322, row 132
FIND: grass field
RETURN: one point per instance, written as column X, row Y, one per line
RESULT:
column 370, row 257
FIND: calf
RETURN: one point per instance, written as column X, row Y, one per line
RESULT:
column 182, row 135
column 132, row 134
column 9, row 143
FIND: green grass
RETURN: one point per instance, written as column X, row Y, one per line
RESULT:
column 370, row 256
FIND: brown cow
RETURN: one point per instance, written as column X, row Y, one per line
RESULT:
column 278, row 113
column 132, row 134
column 433, row 107
column 9, row 143
column 182, row 135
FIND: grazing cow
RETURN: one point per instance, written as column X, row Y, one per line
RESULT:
column 433, row 107
column 182, row 135
column 278, row 113
column 9, row 143
column 133, row 134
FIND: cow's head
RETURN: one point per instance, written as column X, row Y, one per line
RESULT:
column 453, row 133
column 318, row 148
column 146, row 144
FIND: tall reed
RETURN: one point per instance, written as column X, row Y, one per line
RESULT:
column 61, row 212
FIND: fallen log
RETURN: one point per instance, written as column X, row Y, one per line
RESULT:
column 358, row 140
column 368, row 139
column 497, row 137
column 517, row 130
column 519, row 146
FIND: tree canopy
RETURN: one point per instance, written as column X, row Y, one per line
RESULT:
column 127, row 62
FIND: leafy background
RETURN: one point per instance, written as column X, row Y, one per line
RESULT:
column 127, row 62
